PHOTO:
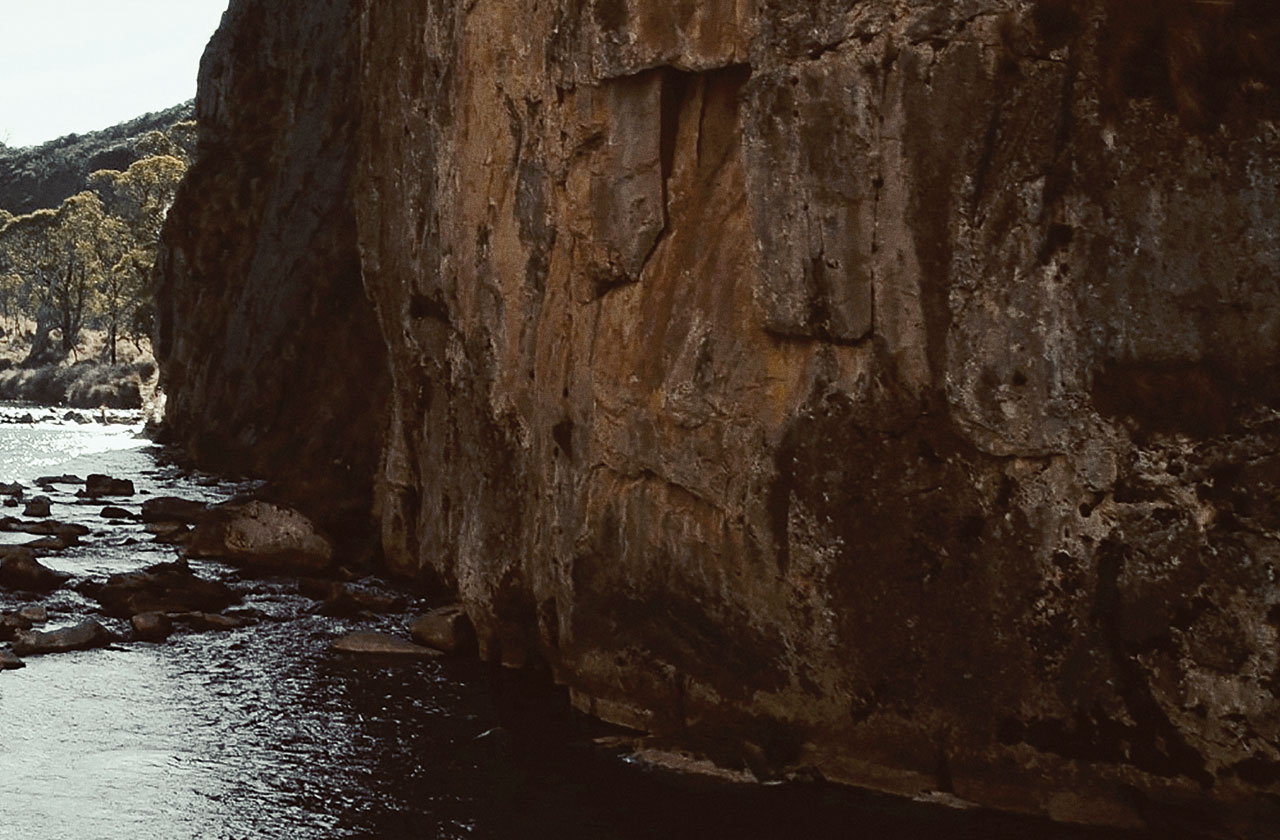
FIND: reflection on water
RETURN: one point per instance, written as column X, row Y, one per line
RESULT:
column 264, row 733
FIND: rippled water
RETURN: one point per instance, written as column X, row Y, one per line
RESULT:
column 264, row 733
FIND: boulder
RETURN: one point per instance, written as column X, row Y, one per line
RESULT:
column 39, row 506
column 11, row 503
column 14, row 490
column 380, row 644
column 20, row 570
column 9, row 661
column 83, row 636
column 446, row 629
column 112, row 512
column 261, row 535
column 168, row 588
column 172, row 509
column 97, row 485
column 151, row 626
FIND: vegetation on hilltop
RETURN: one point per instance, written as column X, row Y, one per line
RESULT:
column 86, row 263
column 44, row 176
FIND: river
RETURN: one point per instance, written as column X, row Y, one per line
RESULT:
column 263, row 732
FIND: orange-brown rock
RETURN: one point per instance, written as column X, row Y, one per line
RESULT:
column 865, row 389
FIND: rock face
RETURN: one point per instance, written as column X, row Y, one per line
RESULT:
column 263, row 304
column 883, row 390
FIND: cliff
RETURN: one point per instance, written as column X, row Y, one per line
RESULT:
column 43, row 176
column 884, row 391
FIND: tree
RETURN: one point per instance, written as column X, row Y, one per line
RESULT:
column 62, row 255
column 138, row 200
column 92, row 257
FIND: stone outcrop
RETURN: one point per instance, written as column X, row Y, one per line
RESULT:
column 879, row 390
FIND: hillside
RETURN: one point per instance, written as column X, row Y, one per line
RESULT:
column 43, row 176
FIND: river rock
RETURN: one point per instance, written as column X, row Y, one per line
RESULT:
column 168, row 588
column 446, row 629
column 172, row 509
column 380, row 644
column 11, row 623
column 14, row 490
column 350, row 598
column 97, row 485
column 34, row 613
column 38, row 506
column 9, row 661
column 262, row 535
column 151, row 626
column 87, row 634
column 20, row 570
column 44, row 528
column 65, row 478
column 112, row 512
column 199, row 620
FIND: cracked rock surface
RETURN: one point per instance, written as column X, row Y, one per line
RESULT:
column 881, row 390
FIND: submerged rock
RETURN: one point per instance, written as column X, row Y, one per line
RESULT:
column 446, row 629
column 380, row 644
column 199, row 620
column 34, row 613
column 111, row 512
column 9, row 661
column 83, row 636
column 21, row 571
column 350, row 598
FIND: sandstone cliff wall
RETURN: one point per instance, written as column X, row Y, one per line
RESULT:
column 883, row 390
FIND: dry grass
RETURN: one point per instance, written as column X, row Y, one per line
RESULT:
column 85, row 379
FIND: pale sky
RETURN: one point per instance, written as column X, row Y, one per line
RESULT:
column 79, row 65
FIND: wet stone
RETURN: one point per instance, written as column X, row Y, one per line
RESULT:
column 9, row 661
column 39, row 506
column 21, row 571
column 34, row 613
column 446, row 629
column 212, row 621
column 65, row 478
column 83, row 636
column 11, row 624
column 168, row 588
column 172, row 509
column 381, row 644
column 111, row 512
column 98, row 484
column 151, row 626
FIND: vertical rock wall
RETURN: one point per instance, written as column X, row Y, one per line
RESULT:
column 883, row 390
column 270, row 351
